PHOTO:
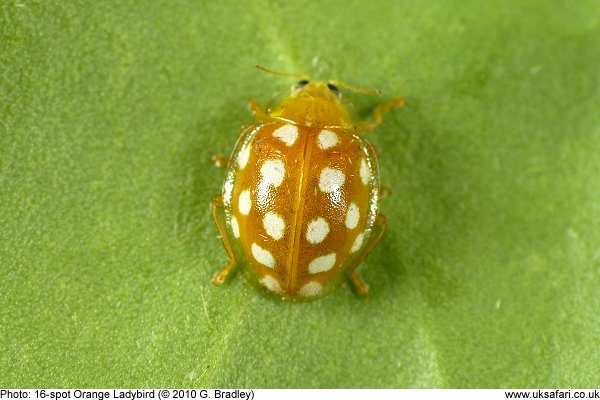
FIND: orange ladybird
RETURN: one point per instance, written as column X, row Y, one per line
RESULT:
column 299, row 207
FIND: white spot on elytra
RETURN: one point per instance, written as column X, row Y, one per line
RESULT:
column 327, row 139
column 365, row 173
column 272, row 172
column 357, row 243
column 245, row 204
column 243, row 157
column 331, row 180
column 274, row 225
column 263, row 256
column 322, row 264
column 235, row 227
column 317, row 230
column 310, row 289
column 352, row 216
column 287, row 133
column 270, row 283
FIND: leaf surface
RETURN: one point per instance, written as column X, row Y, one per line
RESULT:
column 489, row 272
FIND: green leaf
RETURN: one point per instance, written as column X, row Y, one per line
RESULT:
column 489, row 273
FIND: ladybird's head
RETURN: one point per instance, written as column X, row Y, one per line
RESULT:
column 327, row 91
column 314, row 103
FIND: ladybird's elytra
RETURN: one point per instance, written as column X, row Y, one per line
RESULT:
column 299, row 207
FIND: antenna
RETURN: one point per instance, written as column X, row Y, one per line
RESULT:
column 270, row 71
column 333, row 82
column 355, row 89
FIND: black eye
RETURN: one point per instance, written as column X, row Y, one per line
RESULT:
column 301, row 84
column 333, row 89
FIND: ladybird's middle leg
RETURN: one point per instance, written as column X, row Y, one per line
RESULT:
column 220, row 160
column 376, row 235
column 384, row 191
column 217, row 207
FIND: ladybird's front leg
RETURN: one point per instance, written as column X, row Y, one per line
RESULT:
column 378, row 114
column 258, row 111
column 218, row 207
column 376, row 235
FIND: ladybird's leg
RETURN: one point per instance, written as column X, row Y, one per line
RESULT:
column 257, row 111
column 220, row 160
column 384, row 191
column 378, row 114
column 217, row 208
column 376, row 235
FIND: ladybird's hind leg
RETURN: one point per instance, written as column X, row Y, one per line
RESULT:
column 378, row 114
column 217, row 208
column 376, row 235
